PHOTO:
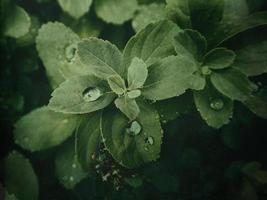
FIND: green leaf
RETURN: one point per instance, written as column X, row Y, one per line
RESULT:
column 81, row 94
column 75, row 8
column 234, row 10
column 20, row 178
column 151, row 44
column 135, row 182
column 148, row 14
column 228, row 30
column 134, row 94
column 115, row 11
column 128, row 106
column 68, row 170
column 55, row 51
column 214, row 108
column 205, row 15
column 178, row 11
column 258, row 103
column 233, row 84
column 10, row 196
column 17, row 23
column 117, row 84
column 137, row 74
column 170, row 77
column 219, row 58
column 43, row 129
column 88, row 135
column 132, row 149
column 191, row 43
column 100, row 57
column 251, row 59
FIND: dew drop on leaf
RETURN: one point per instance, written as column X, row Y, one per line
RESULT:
column 74, row 165
column 91, row 94
column 217, row 104
column 134, row 129
column 150, row 140
column 205, row 70
column 146, row 148
column 70, row 52
column 71, row 178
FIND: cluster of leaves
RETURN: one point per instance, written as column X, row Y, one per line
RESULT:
column 110, row 105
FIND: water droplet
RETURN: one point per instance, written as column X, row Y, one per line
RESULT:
column 74, row 165
column 146, row 148
column 71, row 178
column 91, row 94
column 70, row 52
column 134, row 129
column 164, row 121
column 205, row 70
column 217, row 104
column 150, row 140
column 26, row 139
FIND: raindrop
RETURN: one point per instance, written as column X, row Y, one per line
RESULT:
column 70, row 52
column 146, row 148
column 71, row 178
column 134, row 129
column 217, row 104
column 74, row 165
column 150, row 140
column 91, row 94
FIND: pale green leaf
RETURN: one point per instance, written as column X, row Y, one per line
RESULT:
column 170, row 77
column 137, row 74
column 148, row 14
column 17, row 23
column 43, row 129
column 20, row 178
column 75, row 8
column 117, row 84
column 258, row 103
column 88, row 135
column 56, row 47
column 233, row 84
column 81, row 94
column 214, row 108
column 134, row 94
column 152, row 43
column 68, row 170
column 100, row 57
column 132, row 149
column 191, row 43
column 115, row 11
column 219, row 58
column 128, row 106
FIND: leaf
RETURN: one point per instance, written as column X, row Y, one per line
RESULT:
column 258, row 103
column 88, row 135
column 81, row 94
column 233, row 84
column 251, row 58
column 75, row 8
column 17, row 23
column 128, row 106
column 134, row 94
column 214, row 108
column 191, row 43
column 42, row 129
column 205, row 15
column 117, row 84
column 132, row 150
column 20, row 178
column 68, row 170
column 178, row 11
column 54, row 44
column 151, row 44
column 147, row 14
column 225, row 30
column 100, row 57
column 169, row 78
column 137, row 74
column 115, row 11
column 219, row 58
column 234, row 10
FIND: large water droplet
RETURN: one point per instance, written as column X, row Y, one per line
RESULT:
column 134, row 129
column 70, row 52
column 71, row 178
column 91, row 94
column 150, row 140
column 74, row 166
column 217, row 104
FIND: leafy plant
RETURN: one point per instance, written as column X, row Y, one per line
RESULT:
column 110, row 105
